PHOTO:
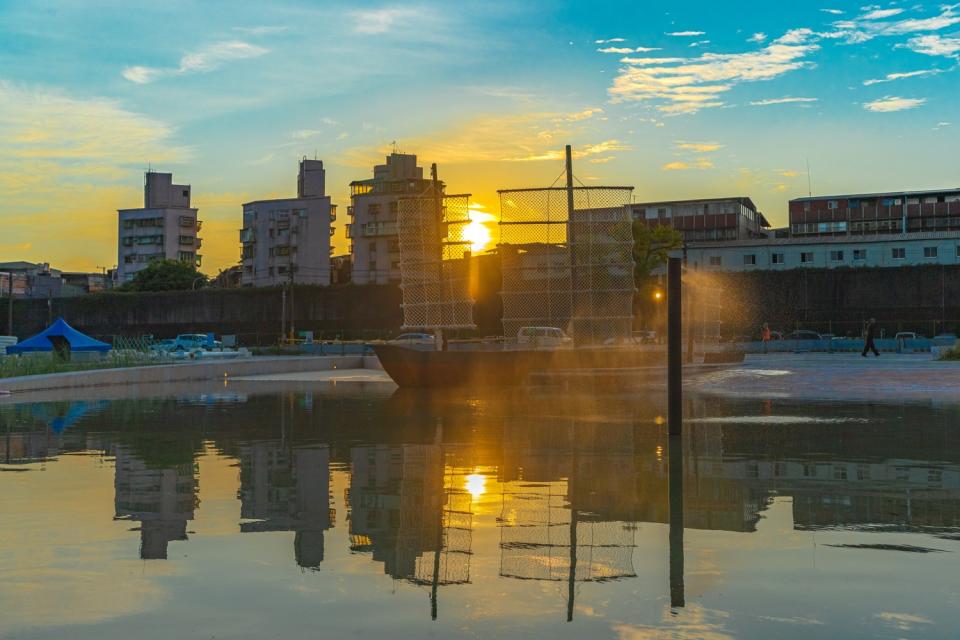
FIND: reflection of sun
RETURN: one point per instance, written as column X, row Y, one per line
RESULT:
column 476, row 484
column 477, row 233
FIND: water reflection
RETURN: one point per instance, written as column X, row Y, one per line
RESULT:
column 567, row 495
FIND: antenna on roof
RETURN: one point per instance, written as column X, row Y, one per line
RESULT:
column 394, row 143
column 809, row 188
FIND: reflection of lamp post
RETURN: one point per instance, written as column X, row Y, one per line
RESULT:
column 657, row 299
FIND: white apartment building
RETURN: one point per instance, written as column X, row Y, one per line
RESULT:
column 165, row 228
column 375, row 244
column 827, row 252
column 288, row 240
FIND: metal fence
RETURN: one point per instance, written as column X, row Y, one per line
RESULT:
column 434, row 271
column 566, row 258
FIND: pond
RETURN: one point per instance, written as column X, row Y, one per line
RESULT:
column 356, row 510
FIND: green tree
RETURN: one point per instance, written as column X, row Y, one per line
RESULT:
column 651, row 246
column 166, row 275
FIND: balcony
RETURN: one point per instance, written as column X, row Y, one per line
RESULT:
column 333, row 213
column 246, row 235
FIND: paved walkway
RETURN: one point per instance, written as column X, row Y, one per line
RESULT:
column 837, row 376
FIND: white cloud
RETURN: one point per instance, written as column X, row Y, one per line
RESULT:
column 890, row 104
column 890, row 77
column 646, row 49
column 615, row 50
column 203, row 60
column 880, row 14
column 687, row 34
column 864, row 28
column 699, row 43
column 835, row 12
column 942, row 125
column 686, row 85
column 772, row 101
column 586, row 114
column 609, row 40
column 758, row 37
column 934, row 45
column 699, row 147
column 261, row 31
column 679, row 165
column 376, row 21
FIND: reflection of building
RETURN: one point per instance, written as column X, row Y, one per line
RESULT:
column 284, row 489
column 22, row 447
column 163, row 500
column 405, row 512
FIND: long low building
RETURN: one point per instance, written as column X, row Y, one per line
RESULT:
column 827, row 252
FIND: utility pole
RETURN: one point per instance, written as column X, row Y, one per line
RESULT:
column 10, row 302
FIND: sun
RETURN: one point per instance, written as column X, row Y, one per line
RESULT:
column 476, row 484
column 477, row 232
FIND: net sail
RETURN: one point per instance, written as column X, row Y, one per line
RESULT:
column 435, row 262
column 568, row 267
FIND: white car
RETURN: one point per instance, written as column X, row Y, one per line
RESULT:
column 543, row 337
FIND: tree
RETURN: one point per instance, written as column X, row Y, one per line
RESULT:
column 166, row 275
column 651, row 247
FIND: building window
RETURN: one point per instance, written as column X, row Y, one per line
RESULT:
column 806, row 257
column 831, row 204
column 929, row 252
column 716, row 261
column 899, row 253
column 749, row 258
column 777, row 258
column 185, row 256
column 859, row 254
column 836, row 256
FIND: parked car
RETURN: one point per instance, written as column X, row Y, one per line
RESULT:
column 645, row 337
column 905, row 335
column 414, row 338
column 543, row 337
column 776, row 335
column 193, row 341
column 803, row 334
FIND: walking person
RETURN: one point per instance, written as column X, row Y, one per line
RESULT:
column 868, row 344
column 765, row 335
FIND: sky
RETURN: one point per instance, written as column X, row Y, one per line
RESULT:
column 679, row 100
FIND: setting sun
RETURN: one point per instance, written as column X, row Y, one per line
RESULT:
column 478, row 231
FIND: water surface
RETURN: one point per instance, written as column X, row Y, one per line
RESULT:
column 298, row 510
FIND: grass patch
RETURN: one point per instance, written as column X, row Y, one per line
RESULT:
column 15, row 366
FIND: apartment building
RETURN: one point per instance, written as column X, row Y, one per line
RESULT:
column 288, row 239
column 375, row 245
column 831, row 252
column 705, row 220
column 165, row 228
column 871, row 214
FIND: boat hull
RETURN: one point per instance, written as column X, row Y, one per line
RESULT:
column 504, row 368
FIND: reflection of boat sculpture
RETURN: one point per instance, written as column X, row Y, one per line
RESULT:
column 420, row 368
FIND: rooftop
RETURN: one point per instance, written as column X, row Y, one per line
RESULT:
column 814, row 240
column 927, row 192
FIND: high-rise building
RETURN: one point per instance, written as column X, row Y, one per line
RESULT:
column 288, row 240
column 373, row 233
column 165, row 228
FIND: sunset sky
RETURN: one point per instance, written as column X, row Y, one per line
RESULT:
column 699, row 100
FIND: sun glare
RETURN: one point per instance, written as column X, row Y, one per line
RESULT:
column 477, row 232
column 476, row 484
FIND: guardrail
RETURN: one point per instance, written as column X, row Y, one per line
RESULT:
column 845, row 345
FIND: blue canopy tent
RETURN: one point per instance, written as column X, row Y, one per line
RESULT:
column 57, row 334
